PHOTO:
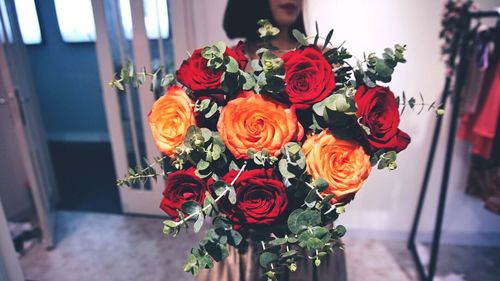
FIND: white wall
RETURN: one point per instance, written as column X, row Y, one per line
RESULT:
column 385, row 206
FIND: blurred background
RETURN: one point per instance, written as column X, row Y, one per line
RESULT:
column 65, row 136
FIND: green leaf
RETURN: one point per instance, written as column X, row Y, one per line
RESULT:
column 230, row 83
column 219, row 187
column 411, row 102
column 390, row 155
column 219, row 222
column 288, row 254
column 249, row 81
column 166, row 80
column 293, row 147
column 320, row 183
column 118, row 85
column 319, row 108
column 206, row 133
column 200, row 219
column 328, row 38
column 309, row 218
column 213, row 109
column 202, row 165
column 337, row 102
column 314, row 244
column 221, row 46
column 283, row 168
column 170, row 223
column 232, row 66
column 216, row 152
column 310, row 199
column 301, row 38
column 256, row 65
column 251, row 152
column 316, row 38
column 232, row 194
column 191, row 263
column 205, row 262
column 209, row 201
column 216, row 250
column 191, row 207
column 234, row 238
column 293, row 225
column 278, row 241
column 267, row 258
column 339, row 231
column 234, row 166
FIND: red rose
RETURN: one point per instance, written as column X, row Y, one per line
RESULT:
column 203, row 80
column 378, row 110
column 261, row 198
column 182, row 186
column 308, row 76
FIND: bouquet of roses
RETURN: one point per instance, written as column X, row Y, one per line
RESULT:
column 272, row 149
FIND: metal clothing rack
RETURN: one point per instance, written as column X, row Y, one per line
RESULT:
column 459, row 45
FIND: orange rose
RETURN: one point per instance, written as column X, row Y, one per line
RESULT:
column 170, row 118
column 254, row 121
column 342, row 163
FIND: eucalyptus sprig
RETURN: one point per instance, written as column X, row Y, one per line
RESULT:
column 151, row 170
column 196, row 211
column 306, row 232
column 128, row 75
column 213, row 246
column 403, row 101
column 203, row 149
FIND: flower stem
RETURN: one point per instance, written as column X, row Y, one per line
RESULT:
column 313, row 188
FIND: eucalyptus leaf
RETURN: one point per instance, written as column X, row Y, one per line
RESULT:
column 311, row 198
column 234, row 238
column 278, row 241
column 266, row 258
column 283, row 168
column 232, row 194
column 191, row 207
column 232, row 66
column 293, row 225
column 328, row 38
column 290, row 253
column 319, row 108
column 221, row 46
column 166, row 80
column 216, row 250
column 320, row 184
column 219, row 187
column 202, row 165
column 206, row 133
column 301, row 38
column 200, row 219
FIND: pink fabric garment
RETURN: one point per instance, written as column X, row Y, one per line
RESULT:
column 479, row 128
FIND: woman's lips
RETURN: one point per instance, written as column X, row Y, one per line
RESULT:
column 289, row 8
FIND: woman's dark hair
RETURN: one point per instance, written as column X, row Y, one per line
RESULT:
column 241, row 16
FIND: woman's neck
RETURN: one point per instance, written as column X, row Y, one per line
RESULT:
column 283, row 40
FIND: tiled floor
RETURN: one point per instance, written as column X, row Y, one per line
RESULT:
column 120, row 248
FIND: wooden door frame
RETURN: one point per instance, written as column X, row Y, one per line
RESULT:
column 23, row 105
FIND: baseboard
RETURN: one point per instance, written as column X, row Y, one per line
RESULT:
column 452, row 238
column 78, row 137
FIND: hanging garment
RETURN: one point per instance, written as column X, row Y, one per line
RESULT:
column 479, row 126
column 478, row 57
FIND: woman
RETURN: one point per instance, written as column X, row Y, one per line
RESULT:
column 241, row 16
column 240, row 21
